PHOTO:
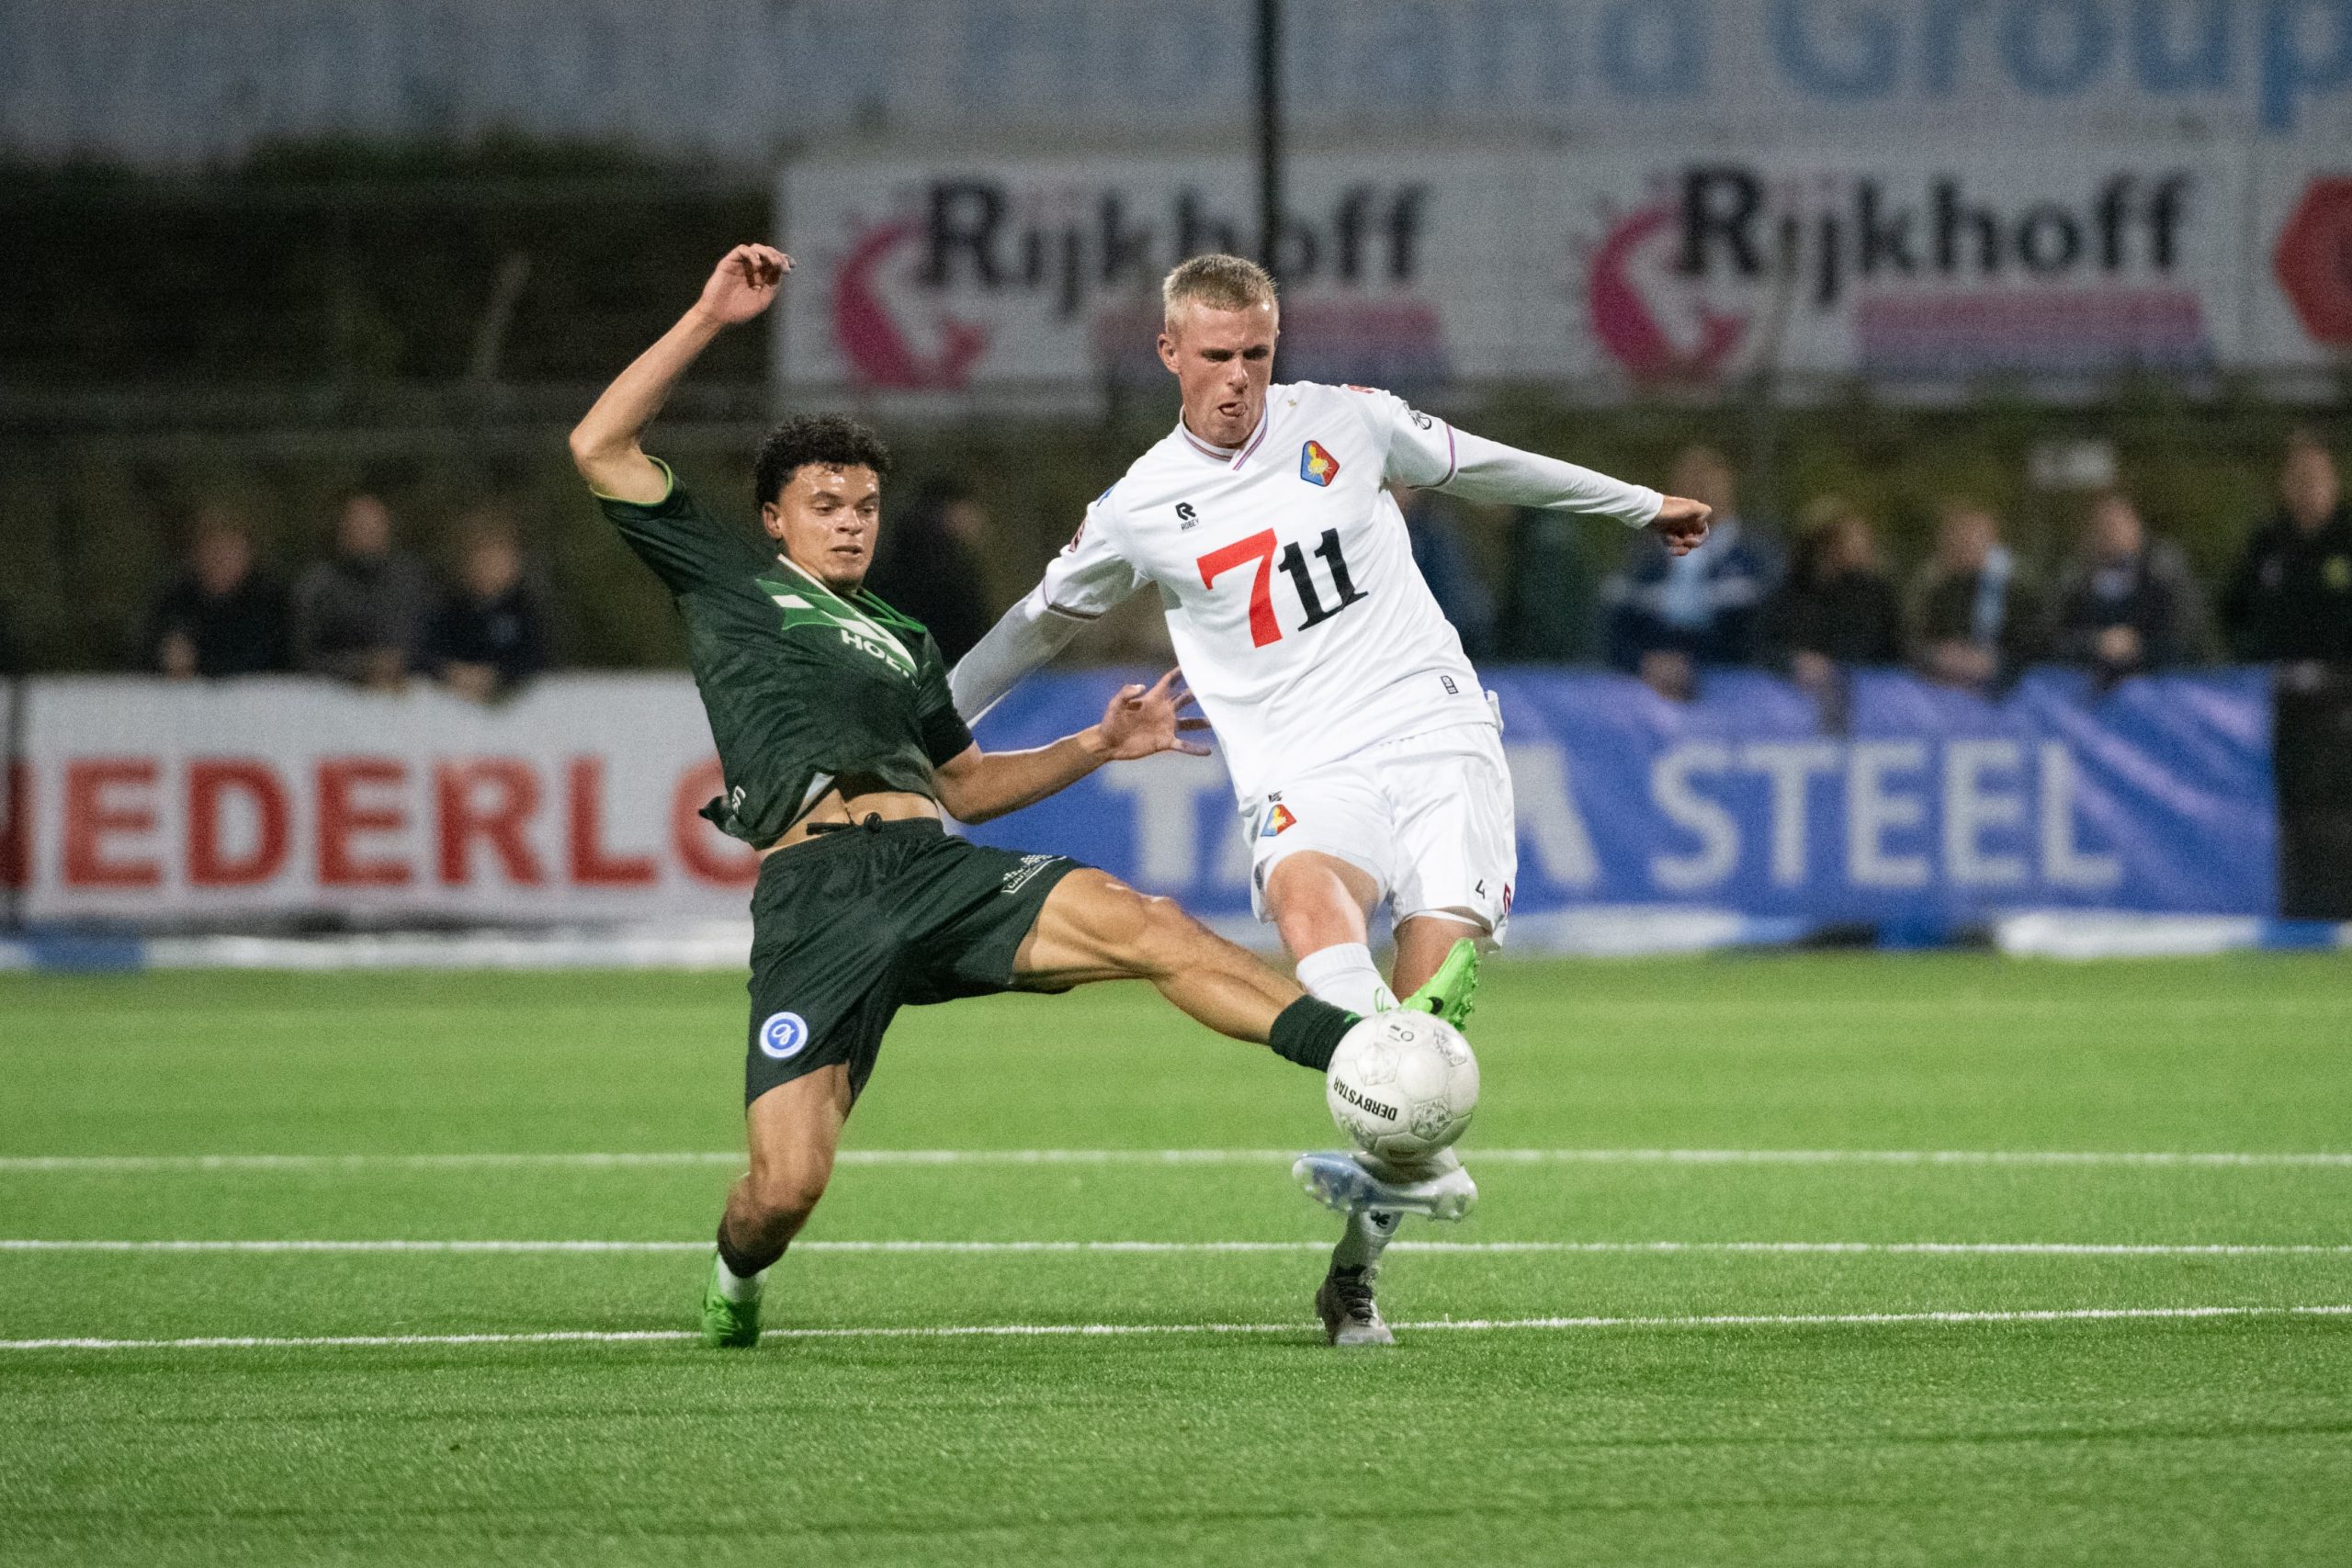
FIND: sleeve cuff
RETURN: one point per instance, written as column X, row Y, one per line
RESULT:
column 669, row 490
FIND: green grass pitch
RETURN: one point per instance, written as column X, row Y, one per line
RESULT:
column 1769, row 1389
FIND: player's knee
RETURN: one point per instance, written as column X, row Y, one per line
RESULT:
column 787, row 1194
column 1163, row 937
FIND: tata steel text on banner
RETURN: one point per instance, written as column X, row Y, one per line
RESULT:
column 1932, row 807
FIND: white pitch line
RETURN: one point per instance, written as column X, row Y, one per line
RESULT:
column 1092, row 1330
column 723, row 1158
column 1863, row 1249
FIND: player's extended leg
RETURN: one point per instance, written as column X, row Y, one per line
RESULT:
column 1094, row 927
column 1346, row 1301
column 793, row 1131
column 1424, row 943
column 1322, row 905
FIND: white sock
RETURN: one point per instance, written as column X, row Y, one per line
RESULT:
column 1368, row 1235
column 736, row 1288
column 1345, row 977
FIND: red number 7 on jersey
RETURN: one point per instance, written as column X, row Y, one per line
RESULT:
column 1259, row 547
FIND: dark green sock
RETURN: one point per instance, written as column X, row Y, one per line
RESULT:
column 1307, row 1032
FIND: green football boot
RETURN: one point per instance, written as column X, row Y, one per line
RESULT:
column 1450, row 993
column 725, row 1322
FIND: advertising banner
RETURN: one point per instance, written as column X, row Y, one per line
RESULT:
column 156, row 803
column 1936, row 266
column 193, row 82
column 150, row 801
column 1927, row 270
column 1934, row 806
column 1408, row 270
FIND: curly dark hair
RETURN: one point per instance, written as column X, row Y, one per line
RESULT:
column 827, row 440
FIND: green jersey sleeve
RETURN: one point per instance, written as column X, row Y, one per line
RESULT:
column 685, row 546
column 946, row 737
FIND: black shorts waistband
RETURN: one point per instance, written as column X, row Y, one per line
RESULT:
column 831, row 838
column 874, row 822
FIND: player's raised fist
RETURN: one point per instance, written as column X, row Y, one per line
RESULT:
column 1682, row 523
column 743, row 284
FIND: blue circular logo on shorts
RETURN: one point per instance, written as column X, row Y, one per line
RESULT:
column 784, row 1035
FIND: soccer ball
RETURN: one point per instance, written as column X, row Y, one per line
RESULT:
column 1402, row 1085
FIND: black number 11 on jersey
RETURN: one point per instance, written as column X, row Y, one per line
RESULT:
column 1259, row 547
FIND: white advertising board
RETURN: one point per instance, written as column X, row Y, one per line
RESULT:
column 945, row 276
column 187, row 83
column 1931, row 270
column 147, row 801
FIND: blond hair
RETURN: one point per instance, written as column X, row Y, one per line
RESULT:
column 1220, row 282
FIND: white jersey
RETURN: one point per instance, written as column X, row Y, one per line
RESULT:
column 1295, row 608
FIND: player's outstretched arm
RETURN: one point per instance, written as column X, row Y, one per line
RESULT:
column 1023, row 640
column 1140, row 722
column 1088, row 579
column 1480, row 469
column 605, row 445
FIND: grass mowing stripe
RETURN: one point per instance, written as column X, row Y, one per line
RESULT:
column 1895, row 1248
column 70, row 1163
column 1091, row 1330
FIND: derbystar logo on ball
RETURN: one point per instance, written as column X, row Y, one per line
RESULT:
column 1403, row 1085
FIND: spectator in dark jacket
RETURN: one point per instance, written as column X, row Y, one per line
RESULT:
column 2127, row 605
column 1445, row 565
column 362, row 616
column 928, row 566
column 1669, row 615
column 1975, row 618
column 1838, row 608
column 2292, row 597
column 220, row 616
column 491, row 634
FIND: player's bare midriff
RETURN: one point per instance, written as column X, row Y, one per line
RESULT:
column 853, row 800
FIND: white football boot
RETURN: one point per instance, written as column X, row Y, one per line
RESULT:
column 1344, row 1301
column 1356, row 1181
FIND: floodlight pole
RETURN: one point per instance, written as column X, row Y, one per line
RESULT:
column 1269, row 132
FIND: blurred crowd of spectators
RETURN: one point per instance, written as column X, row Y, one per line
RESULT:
column 1813, row 602
column 1972, row 614
column 369, row 612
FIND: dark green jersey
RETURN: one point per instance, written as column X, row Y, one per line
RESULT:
column 802, row 685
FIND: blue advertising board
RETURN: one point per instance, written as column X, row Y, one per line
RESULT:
column 1929, row 806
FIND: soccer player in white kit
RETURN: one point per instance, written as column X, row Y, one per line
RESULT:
column 1366, row 755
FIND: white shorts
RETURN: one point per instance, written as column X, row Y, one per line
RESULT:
column 1428, row 817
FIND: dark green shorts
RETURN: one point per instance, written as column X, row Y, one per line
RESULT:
column 851, row 926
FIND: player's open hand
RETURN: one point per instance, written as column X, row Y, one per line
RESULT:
column 1682, row 523
column 743, row 284
column 1141, row 722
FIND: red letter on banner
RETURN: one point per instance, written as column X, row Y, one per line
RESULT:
column 697, row 842
column 17, row 829
column 515, row 797
column 590, row 866
column 209, row 781
column 90, row 817
column 341, row 818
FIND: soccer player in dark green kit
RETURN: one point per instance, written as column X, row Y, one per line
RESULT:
column 840, row 747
